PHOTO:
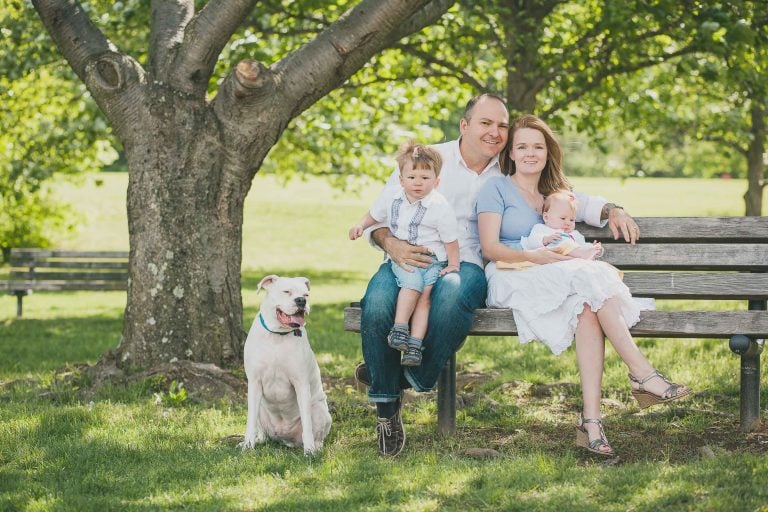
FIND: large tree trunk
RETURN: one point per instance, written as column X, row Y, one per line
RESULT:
column 753, row 198
column 185, row 210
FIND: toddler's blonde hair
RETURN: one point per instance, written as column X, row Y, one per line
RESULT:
column 420, row 156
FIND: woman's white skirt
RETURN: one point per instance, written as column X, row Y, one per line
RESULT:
column 546, row 300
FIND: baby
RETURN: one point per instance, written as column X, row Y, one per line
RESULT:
column 558, row 232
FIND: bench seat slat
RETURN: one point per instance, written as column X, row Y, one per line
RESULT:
column 670, row 256
column 698, row 285
column 658, row 324
column 26, row 255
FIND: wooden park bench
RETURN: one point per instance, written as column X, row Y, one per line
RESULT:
column 44, row 270
column 707, row 258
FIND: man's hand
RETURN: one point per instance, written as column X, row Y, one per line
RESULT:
column 622, row 224
column 401, row 252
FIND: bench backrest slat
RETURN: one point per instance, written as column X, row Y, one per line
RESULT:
column 691, row 229
column 30, row 254
column 42, row 269
column 687, row 256
column 39, row 264
column 91, row 276
column 698, row 285
column 68, row 285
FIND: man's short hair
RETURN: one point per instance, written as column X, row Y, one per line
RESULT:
column 473, row 101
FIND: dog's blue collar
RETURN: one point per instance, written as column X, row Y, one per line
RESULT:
column 296, row 332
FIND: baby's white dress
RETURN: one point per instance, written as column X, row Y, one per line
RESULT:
column 546, row 300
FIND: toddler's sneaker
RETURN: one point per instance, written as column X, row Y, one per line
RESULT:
column 412, row 356
column 398, row 339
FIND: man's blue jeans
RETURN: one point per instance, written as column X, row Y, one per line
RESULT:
column 454, row 298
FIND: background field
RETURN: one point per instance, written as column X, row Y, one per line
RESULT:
column 149, row 447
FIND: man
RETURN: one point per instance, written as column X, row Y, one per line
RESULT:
column 467, row 163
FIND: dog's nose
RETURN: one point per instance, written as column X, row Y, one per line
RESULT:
column 300, row 301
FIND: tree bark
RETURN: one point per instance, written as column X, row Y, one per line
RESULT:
column 753, row 198
column 185, row 212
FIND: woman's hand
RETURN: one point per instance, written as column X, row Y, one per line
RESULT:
column 620, row 221
column 543, row 256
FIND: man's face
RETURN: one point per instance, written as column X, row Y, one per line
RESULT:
column 485, row 134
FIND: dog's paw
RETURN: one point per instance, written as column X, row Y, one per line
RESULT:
column 250, row 442
column 312, row 449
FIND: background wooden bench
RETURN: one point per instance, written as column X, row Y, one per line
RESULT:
column 705, row 258
column 40, row 269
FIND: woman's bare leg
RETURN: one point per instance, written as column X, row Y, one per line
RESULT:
column 615, row 328
column 590, row 356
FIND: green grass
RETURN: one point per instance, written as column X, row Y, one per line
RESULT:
column 137, row 448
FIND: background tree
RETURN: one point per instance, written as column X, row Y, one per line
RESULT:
column 550, row 57
column 50, row 126
column 192, row 158
column 713, row 103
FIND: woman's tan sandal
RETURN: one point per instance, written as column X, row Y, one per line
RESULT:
column 646, row 398
column 582, row 438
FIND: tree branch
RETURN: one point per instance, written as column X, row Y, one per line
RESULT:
column 309, row 73
column 424, row 17
column 611, row 71
column 354, row 85
column 169, row 19
column 460, row 74
column 204, row 38
column 77, row 38
column 731, row 144
column 114, row 79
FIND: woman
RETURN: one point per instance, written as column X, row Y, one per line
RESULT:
column 560, row 297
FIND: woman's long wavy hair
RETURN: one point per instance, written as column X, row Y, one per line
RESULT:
column 552, row 177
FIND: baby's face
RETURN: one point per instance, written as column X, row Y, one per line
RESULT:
column 561, row 215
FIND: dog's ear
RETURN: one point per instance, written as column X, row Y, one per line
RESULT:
column 266, row 282
column 306, row 281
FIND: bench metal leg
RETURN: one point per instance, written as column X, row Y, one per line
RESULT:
column 750, row 350
column 19, row 299
column 750, row 377
column 446, row 398
column 750, row 387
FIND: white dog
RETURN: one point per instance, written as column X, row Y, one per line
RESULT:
column 286, row 401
